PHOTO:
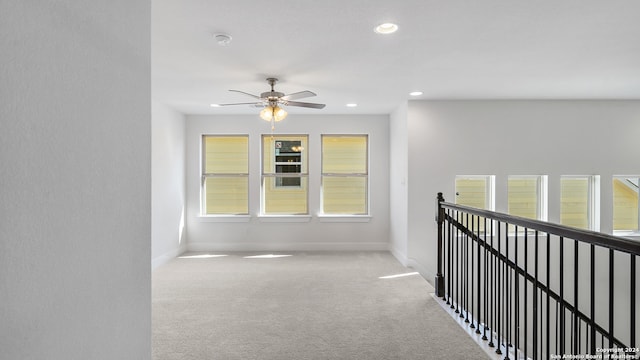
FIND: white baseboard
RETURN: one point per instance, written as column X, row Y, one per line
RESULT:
column 400, row 256
column 166, row 257
column 426, row 274
column 302, row 246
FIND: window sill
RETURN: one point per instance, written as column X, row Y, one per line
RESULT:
column 285, row 218
column 224, row 218
column 344, row 218
column 627, row 234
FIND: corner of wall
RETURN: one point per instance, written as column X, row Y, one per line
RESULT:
column 168, row 220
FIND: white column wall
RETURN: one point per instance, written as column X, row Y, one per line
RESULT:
column 75, row 151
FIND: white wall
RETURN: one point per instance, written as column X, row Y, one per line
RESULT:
column 502, row 138
column 168, row 235
column 399, row 197
column 260, row 234
column 74, row 185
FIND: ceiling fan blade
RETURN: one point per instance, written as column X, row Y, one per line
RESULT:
column 298, row 95
column 304, row 104
column 242, row 92
column 251, row 103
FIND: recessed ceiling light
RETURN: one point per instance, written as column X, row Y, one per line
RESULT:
column 415, row 93
column 352, row 105
column 215, row 105
column 386, row 28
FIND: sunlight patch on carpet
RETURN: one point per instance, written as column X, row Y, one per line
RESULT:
column 203, row 256
column 267, row 256
column 399, row 275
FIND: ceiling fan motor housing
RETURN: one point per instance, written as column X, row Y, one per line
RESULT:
column 271, row 95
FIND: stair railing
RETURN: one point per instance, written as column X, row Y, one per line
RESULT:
column 538, row 290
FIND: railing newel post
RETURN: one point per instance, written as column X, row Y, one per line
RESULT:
column 439, row 281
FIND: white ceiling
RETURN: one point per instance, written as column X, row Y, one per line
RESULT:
column 449, row 49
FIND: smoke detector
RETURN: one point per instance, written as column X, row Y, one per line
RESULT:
column 222, row 39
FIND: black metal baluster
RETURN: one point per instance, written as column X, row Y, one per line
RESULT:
column 611, row 303
column 526, row 285
column 633, row 302
column 548, row 295
column 557, row 329
column 508, row 319
column 571, row 335
column 579, row 331
column 575, row 295
column 478, row 282
column 517, row 298
column 458, row 256
column 466, row 272
column 493, row 290
column 486, row 281
column 592, row 295
column 561, row 274
column 453, row 264
column 449, row 259
column 586, row 339
column 498, row 288
column 535, row 297
column 472, row 270
column 579, row 337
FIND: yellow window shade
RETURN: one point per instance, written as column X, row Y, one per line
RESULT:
column 344, row 195
column 226, row 195
column 226, row 154
column 523, row 197
column 344, row 154
column 625, row 206
column 284, row 199
column 574, row 202
column 471, row 192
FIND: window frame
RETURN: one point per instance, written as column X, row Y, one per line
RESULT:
column 272, row 173
column 204, row 175
column 542, row 209
column 624, row 232
column 593, row 200
column 365, row 175
column 490, row 199
column 490, row 183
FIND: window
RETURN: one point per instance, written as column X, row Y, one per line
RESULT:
column 345, row 175
column 578, row 201
column 288, row 160
column 527, row 196
column 284, row 175
column 625, row 204
column 475, row 191
column 225, row 175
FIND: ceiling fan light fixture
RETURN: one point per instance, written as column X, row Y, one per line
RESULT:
column 273, row 113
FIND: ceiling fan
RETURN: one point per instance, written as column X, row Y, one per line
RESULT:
column 272, row 100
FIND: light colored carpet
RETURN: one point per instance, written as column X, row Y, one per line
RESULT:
column 304, row 306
